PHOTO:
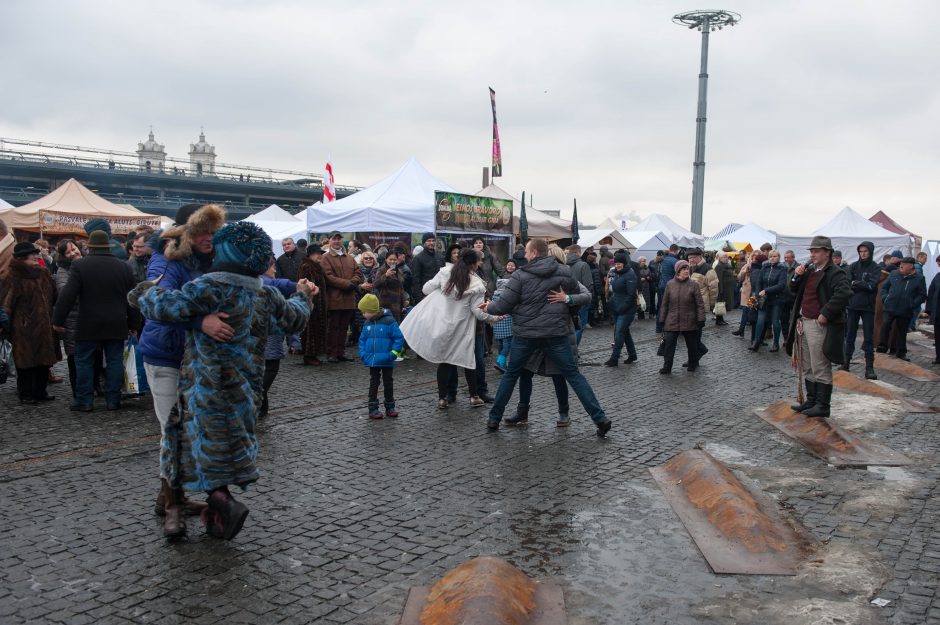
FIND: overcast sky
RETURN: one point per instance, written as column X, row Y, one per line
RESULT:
column 812, row 105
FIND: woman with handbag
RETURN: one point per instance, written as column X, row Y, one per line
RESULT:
column 773, row 282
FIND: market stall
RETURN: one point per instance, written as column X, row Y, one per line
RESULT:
column 69, row 207
column 847, row 230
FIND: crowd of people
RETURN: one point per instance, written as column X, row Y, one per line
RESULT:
column 204, row 302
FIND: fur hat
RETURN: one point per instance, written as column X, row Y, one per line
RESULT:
column 243, row 243
column 24, row 249
column 185, row 212
column 369, row 304
column 98, row 239
column 620, row 257
column 97, row 223
column 206, row 220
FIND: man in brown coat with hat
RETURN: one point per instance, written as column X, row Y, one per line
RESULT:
column 342, row 277
column 822, row 292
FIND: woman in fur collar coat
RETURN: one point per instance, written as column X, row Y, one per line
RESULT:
column 211, row 444
column 28, row 297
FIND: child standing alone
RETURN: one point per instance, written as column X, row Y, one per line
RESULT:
column 380, row 343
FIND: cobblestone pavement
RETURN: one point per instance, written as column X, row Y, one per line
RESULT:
column 350, row 513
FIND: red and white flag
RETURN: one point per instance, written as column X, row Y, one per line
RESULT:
column 329, row 190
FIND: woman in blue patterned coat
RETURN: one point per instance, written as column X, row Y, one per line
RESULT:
column 210, row 443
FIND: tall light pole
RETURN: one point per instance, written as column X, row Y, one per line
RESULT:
column 706, row 22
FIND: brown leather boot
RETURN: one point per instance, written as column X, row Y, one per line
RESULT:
column 189, row 506
column 173, row 524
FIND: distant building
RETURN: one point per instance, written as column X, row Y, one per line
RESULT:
column 202, row 157
column 152, row 155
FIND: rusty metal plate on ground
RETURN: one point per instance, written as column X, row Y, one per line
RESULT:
column 905, row 368
column 549, row 605
column 828, row 441
column 850, row 382
column 737, row 530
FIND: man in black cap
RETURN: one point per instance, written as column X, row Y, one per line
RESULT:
column 901, row 293
column 424, row 266
column 100, row 282
column 864, row 276
column 821, row 292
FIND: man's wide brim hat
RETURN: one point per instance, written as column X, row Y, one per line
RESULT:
column 819, row 242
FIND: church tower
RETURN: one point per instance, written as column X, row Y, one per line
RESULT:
column 202, row 157
column 151, row 155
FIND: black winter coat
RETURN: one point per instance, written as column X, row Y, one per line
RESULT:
column 525, row 297
column 933, row 300
column 773, row 281
column 623, row 285
column 901, row 293
column 864, row 278
column 288, row 265
column 424, row 266
column 100, row 283
column 833, row 291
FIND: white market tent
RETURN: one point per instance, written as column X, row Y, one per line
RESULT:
column 725, row 233
column 647, row 243
column 749, row 233
column 279, row 225
column 4, row 204
column 847, row 230
column 541, row 225
column 75, row 200
column 676, row 233
column 591, row 238
column 402, row 202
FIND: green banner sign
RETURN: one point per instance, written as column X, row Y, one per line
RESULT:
column 472, row 213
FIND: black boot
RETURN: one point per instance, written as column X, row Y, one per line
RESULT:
column 823, row 397
column 755, row 346
column 520, row 418
column 810, row 400
column 870, row 368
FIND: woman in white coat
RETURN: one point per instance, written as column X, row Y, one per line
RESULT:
column 442, row 327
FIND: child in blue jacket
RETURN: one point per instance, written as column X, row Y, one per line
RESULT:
column 380, row 343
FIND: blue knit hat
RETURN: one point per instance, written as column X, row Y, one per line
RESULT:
column 243, row 243
column 97, row 223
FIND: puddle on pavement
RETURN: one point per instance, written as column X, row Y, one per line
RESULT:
column 895, row 474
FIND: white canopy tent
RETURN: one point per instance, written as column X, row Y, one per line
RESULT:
column 541, row 225
column 749, row 233
column 647, row 243
column 847, row 230
column 4, row 204
column 676, row 233
column 592, row 238
column 279, row 225
column 402, row 202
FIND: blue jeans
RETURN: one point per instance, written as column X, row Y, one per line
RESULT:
column 85, row 371
column 851, row 332
column 561, row 390
column 773, row 311
column 583, row 318
column 623, row 336
column 504, row 346
column 558, row 350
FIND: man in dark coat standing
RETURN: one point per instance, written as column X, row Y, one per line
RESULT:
column 288, row 263
column 864, row 276
column 932, row 309
column 100, row 282
column 424, row 266
column 821, row 292
column 902, row 292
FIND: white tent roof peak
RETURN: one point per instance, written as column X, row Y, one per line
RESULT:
column 400, row 202
column 273, row 213
column 661, row 223
column 849, row 223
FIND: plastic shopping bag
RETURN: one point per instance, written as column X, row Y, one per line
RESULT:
column 131, row 384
